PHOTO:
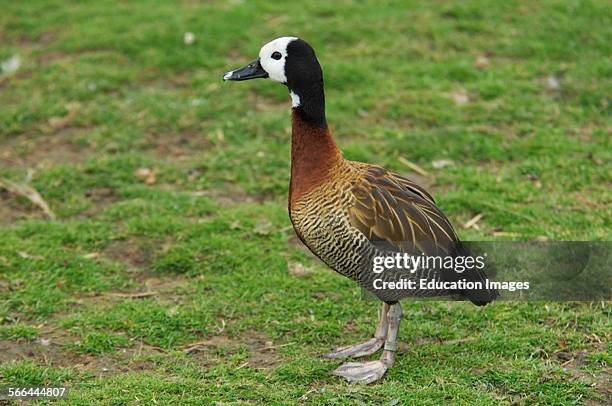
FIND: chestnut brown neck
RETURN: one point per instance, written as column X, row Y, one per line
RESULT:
column 314, row 154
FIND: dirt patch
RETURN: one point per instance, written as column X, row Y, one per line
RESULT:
column 601, row 381
column 175, row 146
column 262, row 351
column 150, row 281
column 41, row 151
column 137, row 252
column 50, row 349
column 14, row 208
column 148, row 286
column 100, row 198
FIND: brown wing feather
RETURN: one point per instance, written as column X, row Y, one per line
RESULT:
column 396, row 214
column 394, row 211
column 413, row 187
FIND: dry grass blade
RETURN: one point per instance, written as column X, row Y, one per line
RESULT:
column 473, row 221
column 414, row 167
column 505, row 234
column 132, row 295
column 29, row 193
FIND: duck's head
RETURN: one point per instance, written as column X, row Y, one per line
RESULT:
column 292, row 62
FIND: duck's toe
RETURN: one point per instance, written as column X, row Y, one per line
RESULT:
column 361, row 372
column 359, row 350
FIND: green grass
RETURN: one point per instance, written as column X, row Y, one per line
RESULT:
column 105, row 90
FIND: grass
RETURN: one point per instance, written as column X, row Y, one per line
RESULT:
column 170, row 189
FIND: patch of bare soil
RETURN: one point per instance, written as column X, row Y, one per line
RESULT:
column 138, row 252
column 148, row 286
column 47, row 349
column 42, row 151
column 175, row 146
column 262, row 352
column 601, row 381
column 14, row 208
column 50, row 349
column 100, row 198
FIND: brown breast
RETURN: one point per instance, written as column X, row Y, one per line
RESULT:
column 315, row 157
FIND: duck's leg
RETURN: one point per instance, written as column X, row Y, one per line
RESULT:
column 368, row 372
column 368, row 347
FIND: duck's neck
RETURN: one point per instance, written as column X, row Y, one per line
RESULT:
column 314, row 155
column 308, row 98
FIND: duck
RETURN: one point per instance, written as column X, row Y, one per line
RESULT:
column 350, row 214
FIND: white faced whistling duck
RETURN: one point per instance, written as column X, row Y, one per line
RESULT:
column 347, row 213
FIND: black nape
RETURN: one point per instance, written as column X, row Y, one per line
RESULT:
column 305, row 79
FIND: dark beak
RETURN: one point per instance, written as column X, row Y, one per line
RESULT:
column 251, row 71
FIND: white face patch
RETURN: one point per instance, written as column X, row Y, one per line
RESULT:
column 275, row 67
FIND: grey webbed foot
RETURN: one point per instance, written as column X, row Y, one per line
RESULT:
column 368, row 372
column 369, row 347
column 361, row 372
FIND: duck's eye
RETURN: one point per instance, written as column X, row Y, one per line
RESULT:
column 276, row 55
